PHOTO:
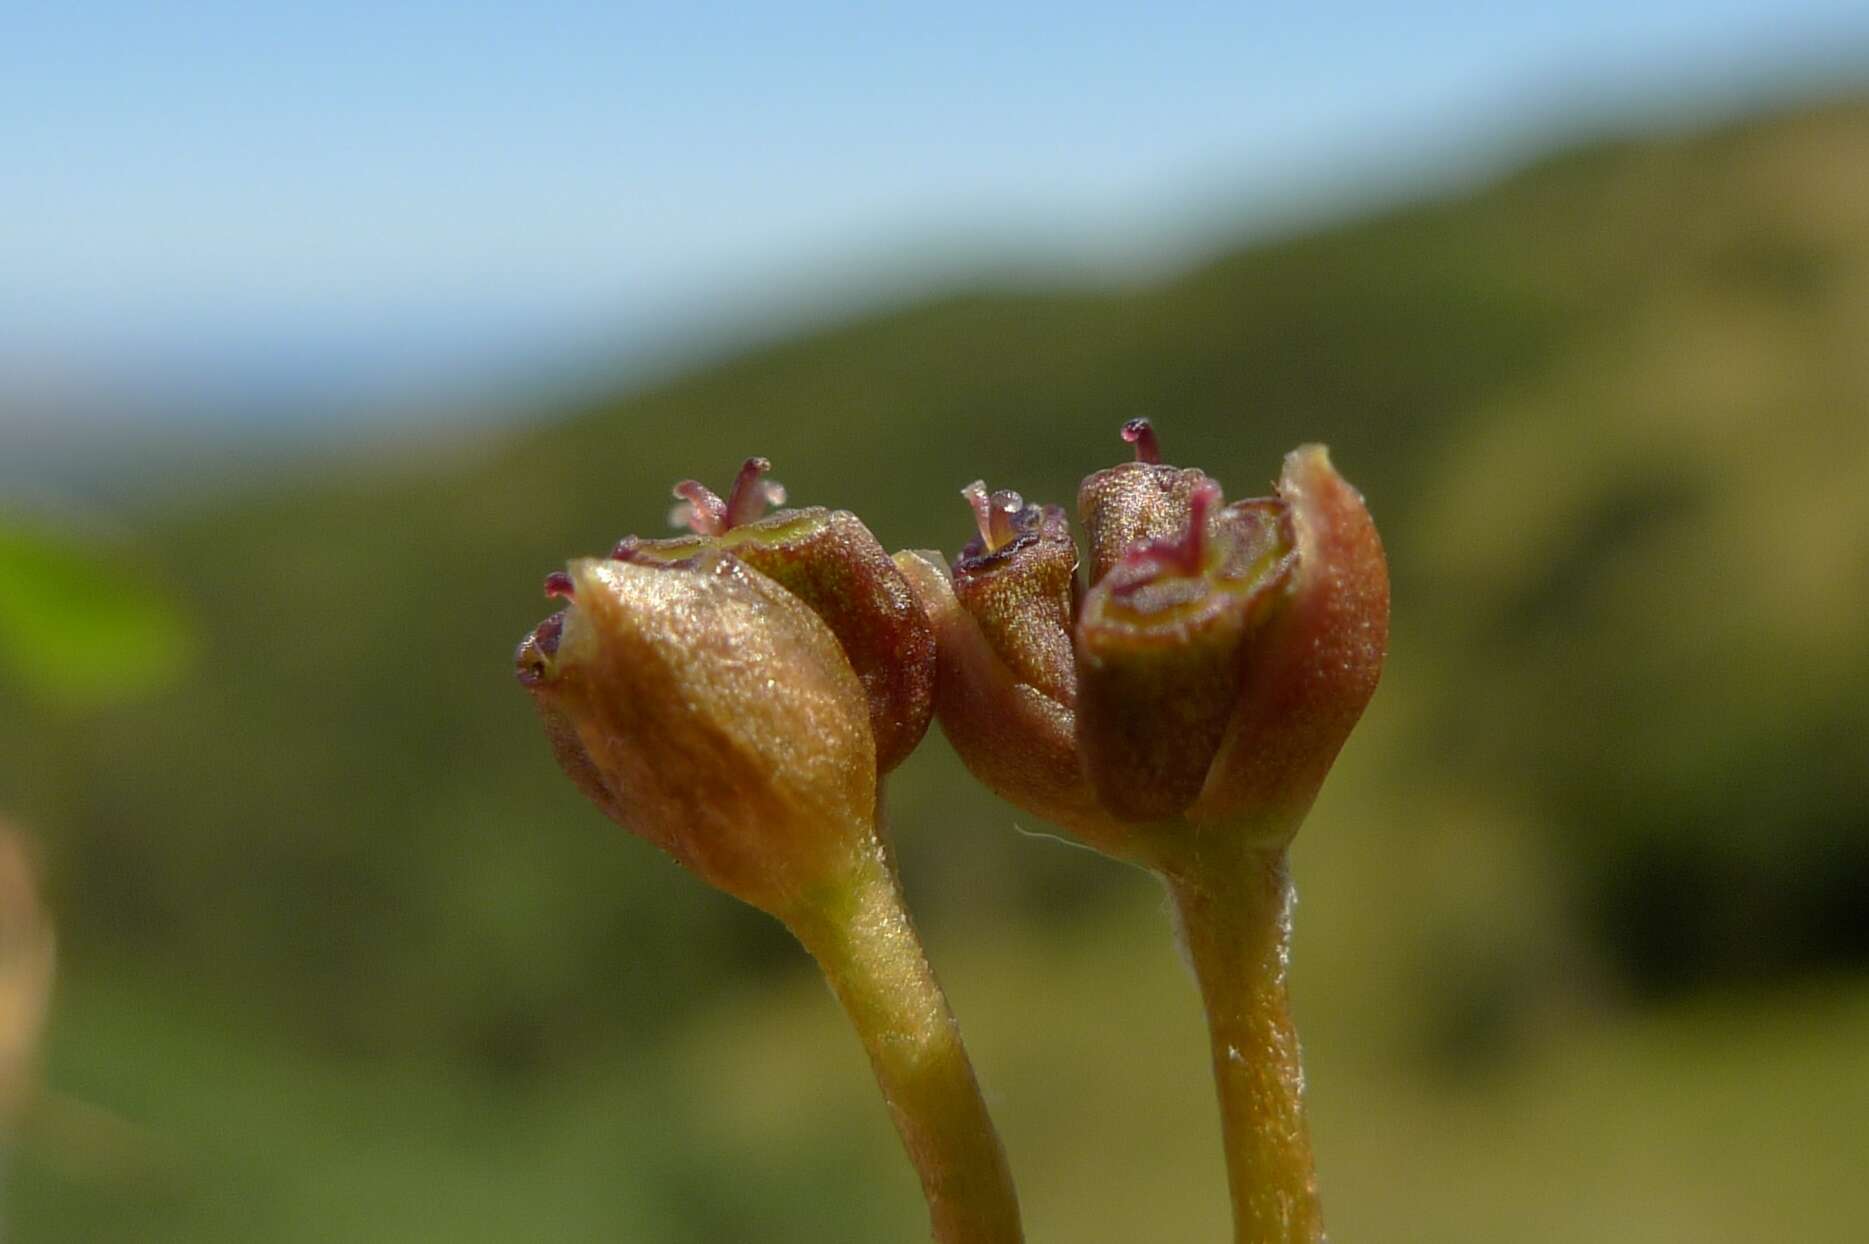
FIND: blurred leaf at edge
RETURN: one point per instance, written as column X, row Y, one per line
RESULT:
column 81, row 625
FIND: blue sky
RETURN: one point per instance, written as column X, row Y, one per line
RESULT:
column 217, row 176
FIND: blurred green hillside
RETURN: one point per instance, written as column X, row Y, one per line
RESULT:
column 1583, row 931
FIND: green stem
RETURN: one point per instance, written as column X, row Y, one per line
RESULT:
column 1235, row 907
column 873, row 959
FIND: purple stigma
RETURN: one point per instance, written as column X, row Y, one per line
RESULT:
column 704, row 513
column 1141, row 434
column 701, row 511
column 751, row 494
column 558, row 583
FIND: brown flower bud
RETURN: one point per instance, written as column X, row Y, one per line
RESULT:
column 1220, row 657
column 1016, row 740
column 1162, row 643
column 831, row 562
column 1018, row 578
column 710, row 711
column 1217, row 660
column 715, row 694
column 1006, row 685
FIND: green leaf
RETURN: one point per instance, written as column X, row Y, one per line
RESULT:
column 81, row 624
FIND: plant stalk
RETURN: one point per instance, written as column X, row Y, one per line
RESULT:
column 869, row 951
column 1234, row 903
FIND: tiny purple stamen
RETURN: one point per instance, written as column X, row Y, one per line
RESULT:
column 703, row 513
column 625, row 550
column 751, row 495
column 1141, row 434
column 558, row 583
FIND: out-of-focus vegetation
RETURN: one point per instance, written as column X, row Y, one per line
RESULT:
column 1583, row 942
column 81, row 623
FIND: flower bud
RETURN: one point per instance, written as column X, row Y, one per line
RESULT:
column 1015, row 739
column 829, row 560
column 1018, row 578
column 710, row 711
column 1217, row 660
column 1162, row 643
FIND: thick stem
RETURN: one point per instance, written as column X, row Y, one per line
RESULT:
column 869, row 951
column 1235, row 912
